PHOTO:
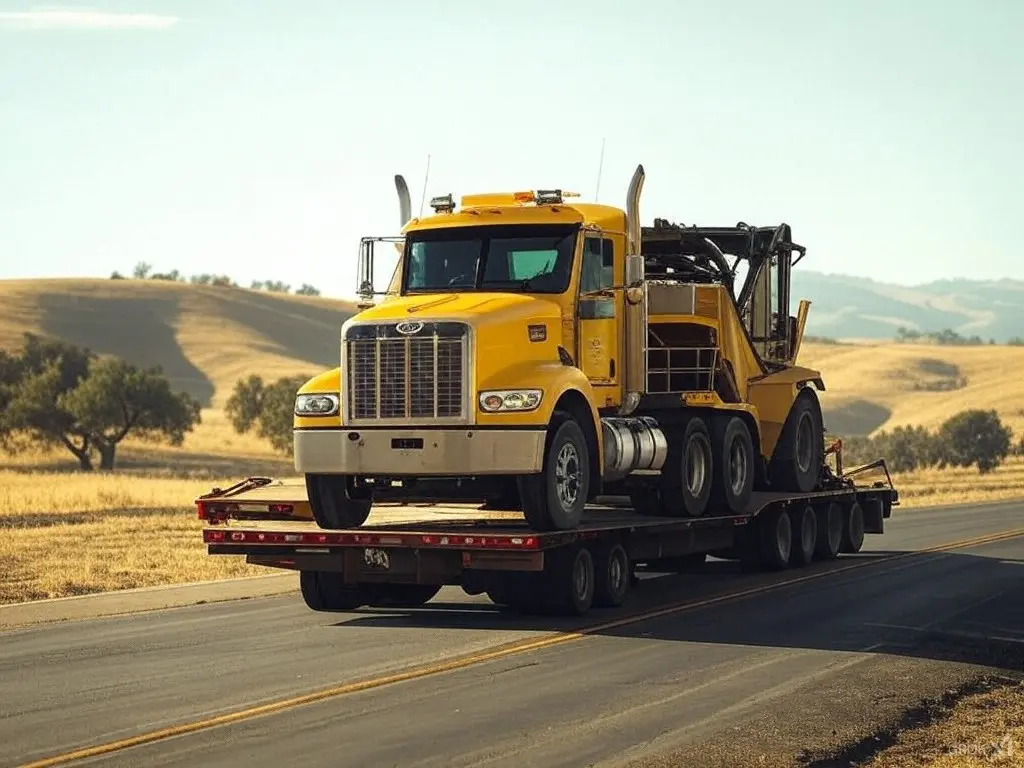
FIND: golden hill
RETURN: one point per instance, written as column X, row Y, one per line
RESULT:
column 205, row 337
column 871, row 386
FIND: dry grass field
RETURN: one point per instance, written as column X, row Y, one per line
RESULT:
column 65, row 532
column 983, row 729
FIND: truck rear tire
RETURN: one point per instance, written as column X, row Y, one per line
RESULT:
column 554, row 499
column 830, row 531
column 800, row 454
column 688, row 473
column 733, row 463
column 853, row 529
column 332, row 502
column 805, row 535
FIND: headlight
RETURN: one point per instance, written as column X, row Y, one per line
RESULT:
column 317, row 405
column 494, row 401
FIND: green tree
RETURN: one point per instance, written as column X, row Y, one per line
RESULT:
column 117, row 399
column 267, row 408
column 907, row 448
column 55, row 393
column 976, row 437
column 307, row 290
column 31, row 385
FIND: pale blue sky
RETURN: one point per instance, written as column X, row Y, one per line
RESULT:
column 260, row 138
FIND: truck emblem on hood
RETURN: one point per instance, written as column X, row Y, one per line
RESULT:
column 409, row 327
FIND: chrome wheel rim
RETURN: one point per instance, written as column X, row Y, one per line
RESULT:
column 696, row 468
column 738, row 468
column 804, row 444
column 567, row 475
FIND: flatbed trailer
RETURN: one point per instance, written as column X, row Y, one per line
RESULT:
column 404, row 555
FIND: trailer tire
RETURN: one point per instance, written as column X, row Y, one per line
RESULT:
column 688, row 474
column 805, row 535
column 853, row 529
column 612, row 576
column 325, row 591
column 569, row 581
column 333, row 504
column 774, row 540
column 830, row 531
column 554, row 499
column 800, row 454
column 734, row 462
column 404, row 595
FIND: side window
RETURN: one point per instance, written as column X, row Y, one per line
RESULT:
column 596, row 273
column 417, row 274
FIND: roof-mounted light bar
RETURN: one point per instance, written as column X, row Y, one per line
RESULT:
column 544, row 196
column 443, row 204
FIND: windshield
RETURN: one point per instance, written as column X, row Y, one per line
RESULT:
column 520, row 257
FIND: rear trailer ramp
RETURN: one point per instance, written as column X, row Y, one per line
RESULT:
column 403, row 555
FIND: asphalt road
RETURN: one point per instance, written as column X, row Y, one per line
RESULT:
column 683, row 680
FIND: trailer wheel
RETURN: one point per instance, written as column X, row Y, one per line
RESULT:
column 800, row 454
column 774, row 540
column 325, row 591
column 333, row 504
column 569, row 581
column 830, row 531
column 804, row 523
column 689, row 471
column 404, row 595
column 612, row 576
column 853, row 529
column 554, row 499
column 734, row 462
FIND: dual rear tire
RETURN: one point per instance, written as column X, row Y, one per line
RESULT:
column 706, row 465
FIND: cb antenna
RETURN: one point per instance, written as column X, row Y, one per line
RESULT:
column 600, row 166
column 423, row 197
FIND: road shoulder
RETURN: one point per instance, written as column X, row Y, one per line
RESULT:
column 131, row 601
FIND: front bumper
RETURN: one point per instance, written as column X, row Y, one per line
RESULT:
column 419, row 452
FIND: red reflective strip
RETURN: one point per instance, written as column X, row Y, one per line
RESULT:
column 284, row 509
column 385, row 540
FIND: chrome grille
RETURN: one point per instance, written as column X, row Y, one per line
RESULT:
column 390, row 376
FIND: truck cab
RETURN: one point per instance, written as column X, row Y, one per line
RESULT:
column 498, row 315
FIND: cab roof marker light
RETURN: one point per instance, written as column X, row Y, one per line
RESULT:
column 443, row 204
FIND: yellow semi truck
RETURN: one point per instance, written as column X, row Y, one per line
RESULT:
column 536, row 354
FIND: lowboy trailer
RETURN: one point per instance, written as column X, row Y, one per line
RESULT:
column 403, row 560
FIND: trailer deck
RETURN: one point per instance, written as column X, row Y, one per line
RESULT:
column 404, row 554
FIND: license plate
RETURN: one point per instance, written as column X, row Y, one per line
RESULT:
column 377, row 558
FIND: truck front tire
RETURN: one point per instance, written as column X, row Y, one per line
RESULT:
column 554, row 499
column 333, row 504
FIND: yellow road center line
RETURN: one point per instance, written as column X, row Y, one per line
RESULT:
column 499, row 652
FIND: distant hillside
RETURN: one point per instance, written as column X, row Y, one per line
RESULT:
column 855, row 307
column 880, row 386
column 205, row 337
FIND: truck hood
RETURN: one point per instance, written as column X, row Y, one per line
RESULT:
column 476, row 309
